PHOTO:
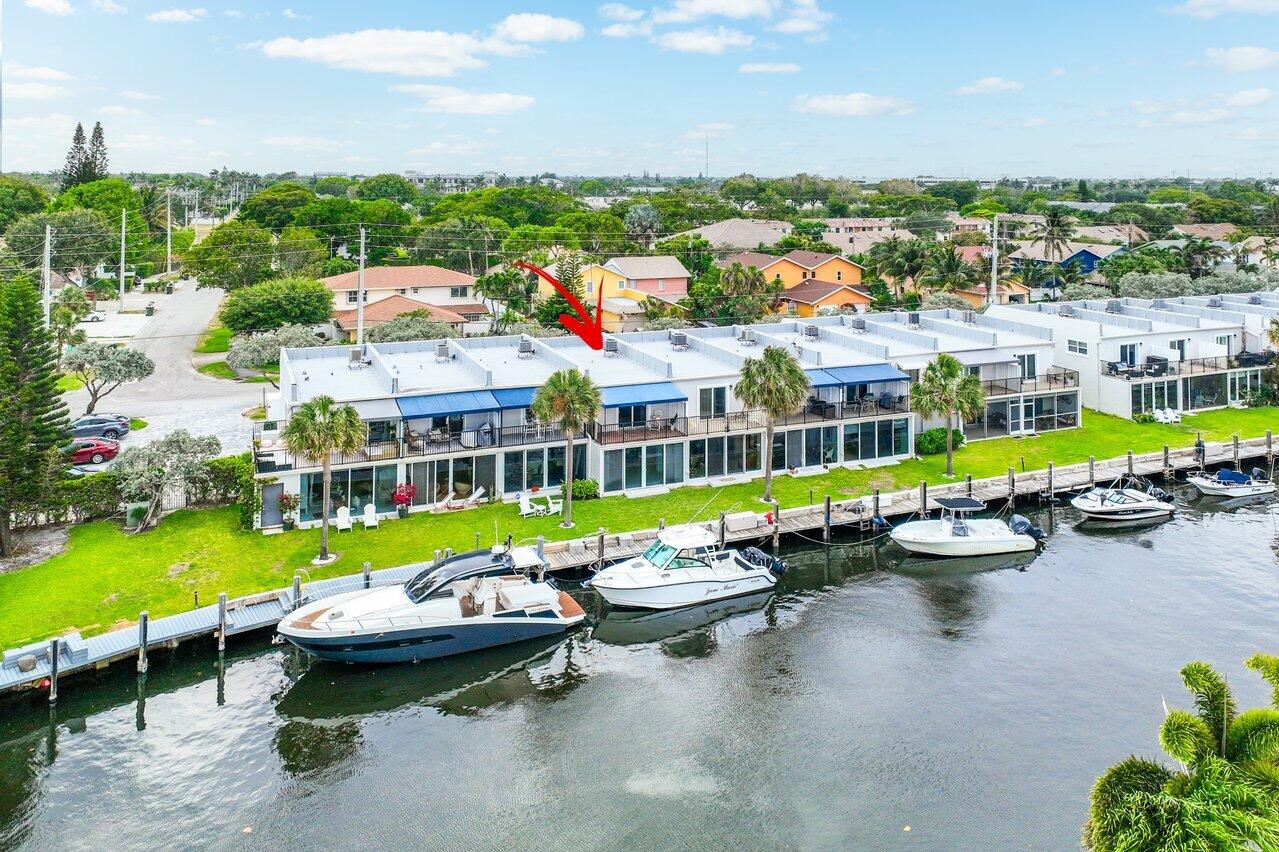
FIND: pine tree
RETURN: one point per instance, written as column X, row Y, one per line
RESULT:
column 568, row 271
column 96, row 166
column 74, row 168
column 33, row 418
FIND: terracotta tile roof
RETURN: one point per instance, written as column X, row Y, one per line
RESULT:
column 742, row 233
column 808, row 259
column 1210, row 230
column 657, row 266
column 383, row 310
column 398, row 277
column 757, row 259
column 1037, row 251
column 810, row 291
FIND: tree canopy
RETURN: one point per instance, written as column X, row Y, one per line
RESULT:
column 235, row 254
column 275, row 206
column 281, row 301
column 392, row 186
column 18, row 198
column 103, row 368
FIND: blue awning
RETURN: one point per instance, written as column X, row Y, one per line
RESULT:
column 514, row 397
column 441, row 404
column 867, row 375
column 650, row 394
column 821, row 379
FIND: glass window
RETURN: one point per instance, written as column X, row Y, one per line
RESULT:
column 733, row 461
column 383, row 487
column 659, row 554
column 632, row 415
column 382, row 430
column 339, row 491
column 696, row 459
column 714, row 456
column 795, row 448
column 830, row 444
column 753, row 442
column 1128, row 354
column 674, row 463
column 513, row 472
column 712, row 402
column 654, row 466
column 852, row 446
column 868, row 440
column 486, row 474
column 535, row 469
column 421, row 474
column 441, row 481
column 1027, row 362
column 635, row 467
column 901, row 436
column 883, row 438
column 779, row 451
column 813, row 446
column 554, row 466
column 613, row 470
column 463, row 476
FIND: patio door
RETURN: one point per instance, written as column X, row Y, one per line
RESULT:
column 1021, row 416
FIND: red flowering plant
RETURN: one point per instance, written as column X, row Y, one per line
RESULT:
column 403, row 496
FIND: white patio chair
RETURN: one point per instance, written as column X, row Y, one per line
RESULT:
column 443, row 505
column 553, row 506
column 370, row 516
column 475, row 497
column 528, row 508
column 1172, row 415
column 343, row 519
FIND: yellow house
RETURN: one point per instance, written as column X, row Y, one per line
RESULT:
column 810, row 296
column 798, row 266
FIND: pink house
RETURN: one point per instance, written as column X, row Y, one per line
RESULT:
column 662, row 276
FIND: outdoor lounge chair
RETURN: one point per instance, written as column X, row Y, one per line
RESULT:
column 528, row 508
column 370, row 516
column 443, row 505
column 343, row 519
column 1172, row 415
column 553, row 506
column 475, row 497
column 1160, row 416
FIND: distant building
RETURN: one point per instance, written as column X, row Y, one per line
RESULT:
column 449, row 184
column 741, row 233
column 1206, row 230
column 426, row 286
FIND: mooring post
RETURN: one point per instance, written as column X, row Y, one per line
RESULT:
column 777, row 526
column 143, row 618
column 55, row 651
column 297, row 591
column 448, row 553
column 923, row 498
column 1092, row 471
column 1167, row 460
column 599, row 546
column 1235, row 442
column 1052, row 491
column 1270, row 443
column 1012, row 486
column 968, row 483
column 368, row 578
column 722, row 530
column 541, row 545
column 826, row 520
column 221, row 621
column 875, row 502
column 661, row 523
column 477, row 539
column 510, row 540
column 1130, row 462
column 438, row 555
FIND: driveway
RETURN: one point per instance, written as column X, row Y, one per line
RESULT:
column 175, row 396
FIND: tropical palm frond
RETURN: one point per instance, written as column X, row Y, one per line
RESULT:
column 1213, row 701
column 1110, row 812
column 1253, row 735
column 774, row 383
column 1267, row 665
column 1186, row 737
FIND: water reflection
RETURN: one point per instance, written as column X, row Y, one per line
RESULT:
column 681, row 633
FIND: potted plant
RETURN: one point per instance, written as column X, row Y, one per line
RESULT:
column 288, row 505
column 403, row 498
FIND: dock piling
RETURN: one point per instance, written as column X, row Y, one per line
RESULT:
column 1235, row 447
column 541, row 546
column 55, row 651
column 437, row 556
column 143, row 618
column 777, row 526
column 221, row 621
column 1130, row 471
column 1167, row 462
column 826, row 521
column 1052, row 490
column 1012, row 487
column 661, row 523
column 968, row 483
column 1092, row 471
column 599, row 547
column 368, row 579
column 721, row 529
column 923, row 498
column 297, row 591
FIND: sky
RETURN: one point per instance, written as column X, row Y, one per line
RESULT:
column 860, row 90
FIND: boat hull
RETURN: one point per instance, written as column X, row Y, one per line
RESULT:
column 408, row 645
column 1216, row 488
column 689, row 593
column 966, row 547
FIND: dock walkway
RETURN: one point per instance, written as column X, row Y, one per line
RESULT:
column 33, row 664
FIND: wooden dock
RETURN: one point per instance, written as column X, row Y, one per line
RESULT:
column 45, row 662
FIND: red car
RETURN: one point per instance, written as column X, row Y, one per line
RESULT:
column 91, row 450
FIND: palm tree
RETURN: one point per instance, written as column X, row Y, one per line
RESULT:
column 1196, row 257
column 911, row 259
column 777, row 385
column 571, row 400
column 1227, row 794
column 1273, row 332
column 1270, row 252
column 947, row 390
column 316, row 431
column 1033, row 275
column 1055, row 233
column 946, row 270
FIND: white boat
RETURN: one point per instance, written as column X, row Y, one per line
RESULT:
column 1232, row 483
column 956, row 534
column 685, row 566
column 1129, row 498
column 472, row 601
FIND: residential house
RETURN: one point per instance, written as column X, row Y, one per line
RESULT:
column 1206, row 230
column 967, row 224
column 621, row 285
column 859, row 225
column 427, row 285
column 1087, row 255
column 384, row 310
column 809, row 296
column 452, row 416
column 741, row 233
column 1136, row 356
column 1127, row 235
column 661, row 275
column 862, row 242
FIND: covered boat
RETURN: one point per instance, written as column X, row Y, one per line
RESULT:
column 475, row 600
column 683, row 567
column 1232, row 483
column 1129, row 498
column 957, row 534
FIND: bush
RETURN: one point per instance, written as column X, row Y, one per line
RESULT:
column 85, row 498
column 1143, row 417
column 231, row 477
column 271, row 304
column 930, row 442
column 585, row 489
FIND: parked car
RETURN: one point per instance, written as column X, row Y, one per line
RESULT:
column 95, row 316
column 90, row 450
column 100, row 426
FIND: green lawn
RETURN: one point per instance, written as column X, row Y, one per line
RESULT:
column 106, row 576
column 68, row 382
column 217, row 338
column 217, row 370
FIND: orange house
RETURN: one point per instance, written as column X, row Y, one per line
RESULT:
column 809, row 296
column 798, row 266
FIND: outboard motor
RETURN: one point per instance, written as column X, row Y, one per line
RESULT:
column 755, row 556
column 1259, row 475
column 1021, row 525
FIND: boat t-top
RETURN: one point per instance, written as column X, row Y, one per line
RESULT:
column 955, row 533
column 1129, row 498
column 471, row 601
column 1232, row 483
column 686, row 566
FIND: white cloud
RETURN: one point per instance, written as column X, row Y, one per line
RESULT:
column 1203, row 116
column 135, row 95
column 415, row 53
column 536, row 27
column 769, row 68
column 110, row 7
column 117, row 109
column 856, row 103
column 1057, row 72
column 55, row 123
column 294, row 16
column 1150, row 107
column 176, row 16
column 627, row 30
column 619, row 12
column 683, row 11
column 989, row 86
column 1238, row 60
column 33, row 72
column 300, row 143
column 33, row 91
column 1034, row 121
column 713, row 129
column 803, row 16
column 450, row 99
column 1250, row 98
column 232, row 13
column 151, row 141
column 703, row 40
column 51, row 7
column 443, row 147
column 1215, row 8
column 206, row 122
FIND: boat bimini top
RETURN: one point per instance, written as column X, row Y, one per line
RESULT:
column 959, row 505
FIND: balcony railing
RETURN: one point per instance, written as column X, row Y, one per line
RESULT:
column 1156, row 367
column 1057, row 378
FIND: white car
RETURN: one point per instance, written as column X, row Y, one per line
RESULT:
column 95, row 316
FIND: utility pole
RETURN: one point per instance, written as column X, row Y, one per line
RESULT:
column 124, row 214
column 359, row 296
column 46, row 277
column 168, row 229
column 992, row 296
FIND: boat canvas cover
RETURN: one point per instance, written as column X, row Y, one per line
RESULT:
column 1233, row 477
column 961, row 504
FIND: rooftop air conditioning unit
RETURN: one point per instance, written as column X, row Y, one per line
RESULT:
column 1066, row 311
column 610, row 345
column 526, row 348
column 1254, row 299
column 912, row 318
column 355, row 355
column 970, row 317
column 1159, row 303
column 679, row 340
column 441, row 351
column 1214, row 302
column 858, row 323
column 1114, row 306
column 811, row 331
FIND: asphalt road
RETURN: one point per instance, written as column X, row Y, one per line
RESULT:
column 175, row 396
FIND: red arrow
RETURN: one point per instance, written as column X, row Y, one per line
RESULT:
column 589, row 328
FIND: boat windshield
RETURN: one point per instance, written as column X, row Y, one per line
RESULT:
column 659, row 554
column 434, row 582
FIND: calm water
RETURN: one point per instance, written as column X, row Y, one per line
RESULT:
column 868, row 694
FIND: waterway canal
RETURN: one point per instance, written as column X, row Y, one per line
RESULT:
column 867, row 695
